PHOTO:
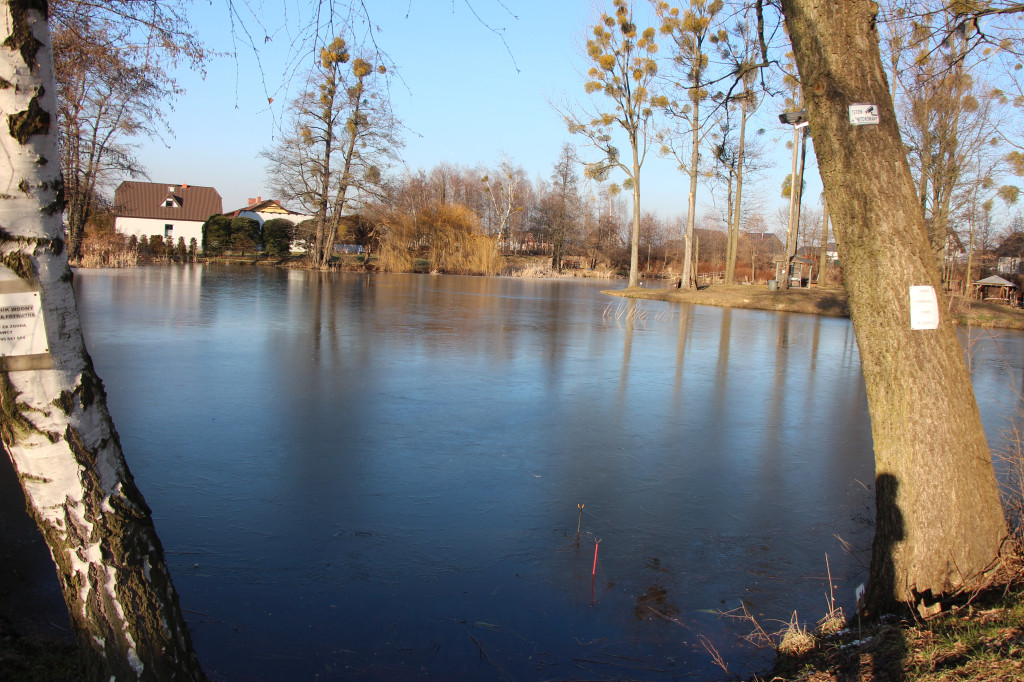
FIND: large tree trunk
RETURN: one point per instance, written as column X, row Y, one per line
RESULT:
column 54, row 423
column 939, row 522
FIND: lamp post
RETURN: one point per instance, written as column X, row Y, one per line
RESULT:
column 797, row 119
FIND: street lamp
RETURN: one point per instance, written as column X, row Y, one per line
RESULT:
column 797, row 119
column 792, row 118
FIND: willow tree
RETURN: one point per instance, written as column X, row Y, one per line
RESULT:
column 939, row 522
column 55, row 425
column 622, row 68
column 690, row 33
column 342, row 133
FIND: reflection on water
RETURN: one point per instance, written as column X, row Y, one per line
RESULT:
column 380, row 476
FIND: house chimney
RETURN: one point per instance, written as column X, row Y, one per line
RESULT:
column 171, row 189
column 184, row 185
column 251, row 201
column 259, row 199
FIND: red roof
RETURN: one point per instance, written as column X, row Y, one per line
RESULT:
column 149, row 200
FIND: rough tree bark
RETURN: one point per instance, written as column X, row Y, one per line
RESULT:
column 54, row 422
column 939, row 522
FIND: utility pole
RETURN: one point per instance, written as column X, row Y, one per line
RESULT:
column 797, row 119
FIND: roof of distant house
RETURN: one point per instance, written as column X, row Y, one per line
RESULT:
column 261, row 206
column 763, row 238
column 815, row 250
column 165, row 201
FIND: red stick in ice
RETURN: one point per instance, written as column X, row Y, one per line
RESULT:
column 596, row 545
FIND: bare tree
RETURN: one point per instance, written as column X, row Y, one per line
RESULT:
column 503, row 193
column 690, row 33
column 623, row 70
column 563, row 205
column 341, row 135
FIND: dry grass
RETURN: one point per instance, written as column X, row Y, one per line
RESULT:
column 831, row 623
column 794, row 639
column 982, row 638
column 985, row 314
column 38, row 658
column 108, row 250
column 816, row 301
column 539, row 267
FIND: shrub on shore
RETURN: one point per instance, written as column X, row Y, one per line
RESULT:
column 448, row 236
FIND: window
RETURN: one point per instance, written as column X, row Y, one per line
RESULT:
column 169, row 202
column 168, row 230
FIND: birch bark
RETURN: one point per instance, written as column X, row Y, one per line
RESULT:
column 54, row 423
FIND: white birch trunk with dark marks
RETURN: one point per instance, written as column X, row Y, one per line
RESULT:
column 54, row 424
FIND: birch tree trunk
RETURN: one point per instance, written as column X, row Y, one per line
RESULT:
column 634, row 235
column 689, row 277
column 939, row 523
column 54, row 424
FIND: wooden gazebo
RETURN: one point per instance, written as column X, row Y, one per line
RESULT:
column 995, row 289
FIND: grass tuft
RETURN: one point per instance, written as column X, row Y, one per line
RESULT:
column 794, row 639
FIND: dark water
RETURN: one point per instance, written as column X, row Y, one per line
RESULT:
column 379, row 477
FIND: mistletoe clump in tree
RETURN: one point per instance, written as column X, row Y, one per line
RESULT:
column 341, row 134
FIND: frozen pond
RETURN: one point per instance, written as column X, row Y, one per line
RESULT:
column 379, row 477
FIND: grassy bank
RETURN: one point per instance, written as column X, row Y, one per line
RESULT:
column 979, row 638
column 830, row 301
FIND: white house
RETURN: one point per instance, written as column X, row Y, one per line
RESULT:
column 163, row 210
column 262, row 211
column 1009, row 265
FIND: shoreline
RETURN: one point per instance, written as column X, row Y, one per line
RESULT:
column 827, row 301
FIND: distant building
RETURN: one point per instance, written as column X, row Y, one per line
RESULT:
column 1009, row 265
column 157, row 209
column 765, row 243
column 831, row 252
column 262, row 211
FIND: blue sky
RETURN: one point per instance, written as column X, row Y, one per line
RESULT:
column 466, row 96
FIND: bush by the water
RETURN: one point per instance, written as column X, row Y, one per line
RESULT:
column 447, row 236
column 277, row 236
